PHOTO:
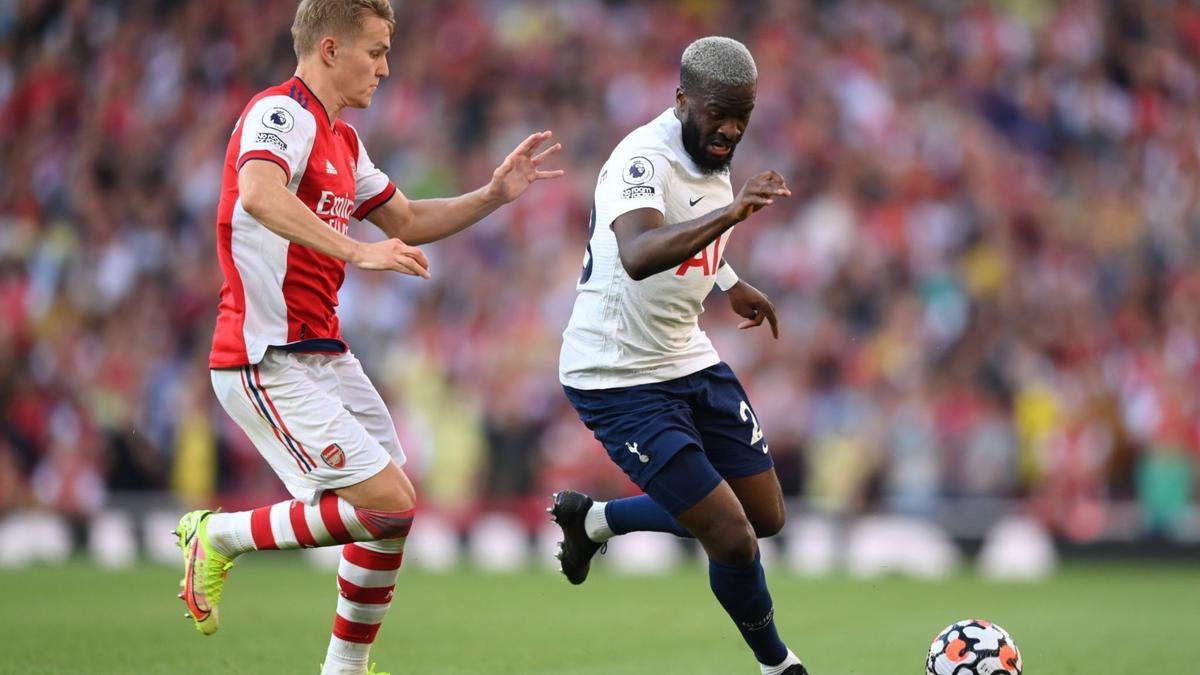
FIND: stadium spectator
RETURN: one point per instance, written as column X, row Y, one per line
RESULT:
column 987, row 277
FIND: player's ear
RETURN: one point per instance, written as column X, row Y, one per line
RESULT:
column 327, row 48
column 680, row 102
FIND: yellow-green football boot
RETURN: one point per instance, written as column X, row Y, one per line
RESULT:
column 204, row 571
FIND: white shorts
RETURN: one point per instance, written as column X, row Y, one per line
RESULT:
column 316, row 418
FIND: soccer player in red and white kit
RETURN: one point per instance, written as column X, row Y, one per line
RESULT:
column 294, row 176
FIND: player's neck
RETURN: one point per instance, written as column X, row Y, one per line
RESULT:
column 323, row 89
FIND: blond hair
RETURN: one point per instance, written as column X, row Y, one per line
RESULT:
column 343, row 18
column 717, row 61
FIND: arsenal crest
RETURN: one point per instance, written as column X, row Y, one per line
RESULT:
column 334, row 456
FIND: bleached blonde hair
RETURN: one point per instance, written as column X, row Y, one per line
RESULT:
column 343, row 18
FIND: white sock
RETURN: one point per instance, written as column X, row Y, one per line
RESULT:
column 230, row 534
column 345, row 658
column 596, row 525
column 790, row 661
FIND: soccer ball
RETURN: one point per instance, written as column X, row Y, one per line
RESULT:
column 973, row 647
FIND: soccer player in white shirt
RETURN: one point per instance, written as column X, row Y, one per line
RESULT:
column 294, row 175
column 640, row 372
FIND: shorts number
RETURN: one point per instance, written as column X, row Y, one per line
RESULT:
column 747, row 415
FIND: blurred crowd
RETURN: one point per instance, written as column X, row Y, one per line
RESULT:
column 987, row 274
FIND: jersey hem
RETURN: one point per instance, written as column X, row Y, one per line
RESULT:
column 616, row 380
column 330, row 346
column 314, row 346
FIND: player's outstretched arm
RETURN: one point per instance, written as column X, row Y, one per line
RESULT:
column 421, row 221
column 264, row 195
column 647, row 247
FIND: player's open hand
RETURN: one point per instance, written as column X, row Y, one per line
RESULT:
column 392, row 254
column 753, row 305
column 759, row 191
column 522, row 167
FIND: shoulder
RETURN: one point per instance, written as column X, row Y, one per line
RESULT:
column 645, row 140
column 277, row 111
column 651, row 144
column 641, row 164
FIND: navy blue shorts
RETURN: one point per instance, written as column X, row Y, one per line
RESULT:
column 642, row 427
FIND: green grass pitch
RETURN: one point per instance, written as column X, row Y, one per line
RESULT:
column 1091, row 619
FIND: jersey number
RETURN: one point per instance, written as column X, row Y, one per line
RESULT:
column 587, row 253
column 747, row 415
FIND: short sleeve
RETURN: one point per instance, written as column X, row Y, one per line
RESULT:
column 277, row 129
column 641, row 183
column 372, row 188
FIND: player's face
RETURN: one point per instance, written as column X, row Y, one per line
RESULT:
column 364, row 62
column 714, row 119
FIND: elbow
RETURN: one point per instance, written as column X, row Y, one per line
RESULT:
column 409, row 235
column 634, row 267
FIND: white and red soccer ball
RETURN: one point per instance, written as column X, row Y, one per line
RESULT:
column 973, row 647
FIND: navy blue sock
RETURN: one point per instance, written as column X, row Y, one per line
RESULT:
column 742, row 591
column 641, row 514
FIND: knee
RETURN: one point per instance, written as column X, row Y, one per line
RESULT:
column 730, row 542
column 389, row 514
column 770, row 524
column 397, row 502
column 401, row 496
column 385, row 525
column 388, row 490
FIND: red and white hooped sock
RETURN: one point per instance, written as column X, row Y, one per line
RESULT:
column 293, row 524
column 366, row 581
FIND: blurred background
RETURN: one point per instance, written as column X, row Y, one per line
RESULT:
column 986, row 275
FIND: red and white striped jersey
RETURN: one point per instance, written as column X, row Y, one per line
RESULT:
column 275, row 292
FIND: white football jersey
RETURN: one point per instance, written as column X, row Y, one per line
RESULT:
column 624, row 332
